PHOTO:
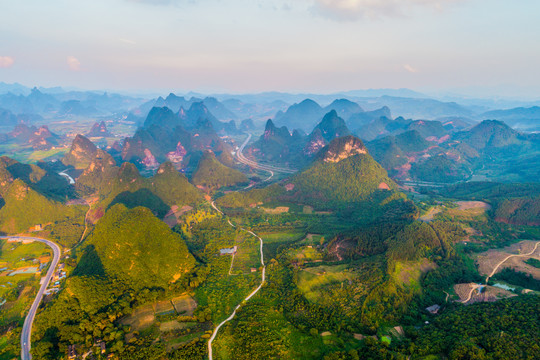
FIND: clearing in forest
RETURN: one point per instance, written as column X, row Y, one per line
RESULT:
column 495, row 259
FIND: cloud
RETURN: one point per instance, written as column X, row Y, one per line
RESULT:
column 163, row 2
column 410, row 69
column 73, row 63
column 127, row 41
column 352, row 10
column 6, row 61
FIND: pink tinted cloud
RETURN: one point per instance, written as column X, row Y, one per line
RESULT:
column 352, row 10
column 6, row 61
column 410, row 69
column 73, row 63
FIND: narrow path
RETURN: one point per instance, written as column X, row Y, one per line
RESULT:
column 232, row 262
column 511, row 256
column 270, row 169
column 474, row 287
column 263, row 278
column 447, row 295
column 26, row 334
column 85, row 222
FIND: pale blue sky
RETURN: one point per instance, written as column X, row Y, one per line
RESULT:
column 286, row 45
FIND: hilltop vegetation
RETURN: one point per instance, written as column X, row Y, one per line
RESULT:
column 213, row 175
column 25, row 208
column 125, row 185
column 350, row 268
column 31, row 195
column 511, row 203
column 145, row 252
column 343, row 173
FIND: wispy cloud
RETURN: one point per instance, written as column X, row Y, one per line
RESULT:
column 410, row 69
column 6, row 61
column 163, row 2
column 73, row 63
column 127, row 41
column 352, row 10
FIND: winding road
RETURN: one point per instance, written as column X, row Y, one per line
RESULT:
column 511, row 256
column 476, row 286
column 263, row 278
column 69, row 178
column 270, row 168
column 26, row 333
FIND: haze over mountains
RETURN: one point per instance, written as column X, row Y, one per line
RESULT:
column 357, row 208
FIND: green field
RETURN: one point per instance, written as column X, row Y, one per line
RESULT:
column 18, row 290
column 314, row 281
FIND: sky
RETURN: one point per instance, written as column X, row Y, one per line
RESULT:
column 473, row 47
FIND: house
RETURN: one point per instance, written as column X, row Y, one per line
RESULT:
column 433, row 309
column 253, row 270
column 228, row 251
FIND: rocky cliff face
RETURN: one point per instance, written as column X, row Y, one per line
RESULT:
column 343, row 148
column 149, row 160
column 99, row 130
column 81, row 153
column 177, row 155
column 39, row 138
column 315, row 143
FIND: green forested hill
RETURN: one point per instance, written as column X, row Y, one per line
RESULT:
column 31, row 195
column 512, row 203
column 125, row 185
column 144, row 253
column 24, row 207
column 212, row 174
column 506, row 329
column 343, row 173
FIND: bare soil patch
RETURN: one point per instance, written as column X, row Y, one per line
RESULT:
column 487, row 261
column 184, row 305
column 463, row 290
column 140, row 319
column 428, row 216
column 490, row 294
column 466, row 205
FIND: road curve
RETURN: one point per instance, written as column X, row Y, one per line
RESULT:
column 270, row 169
column 256, row 165
column 26, row 333
column 474, row 287
column 497, row 266
column 263, row 278
column 511, row 256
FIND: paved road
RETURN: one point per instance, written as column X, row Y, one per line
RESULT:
column 263, row 278
column 256, row 165
column 27, row 327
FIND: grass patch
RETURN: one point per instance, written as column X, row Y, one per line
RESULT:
column 313, row 281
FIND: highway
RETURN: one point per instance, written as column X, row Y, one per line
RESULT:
column 26, row 333
column 270, row 168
